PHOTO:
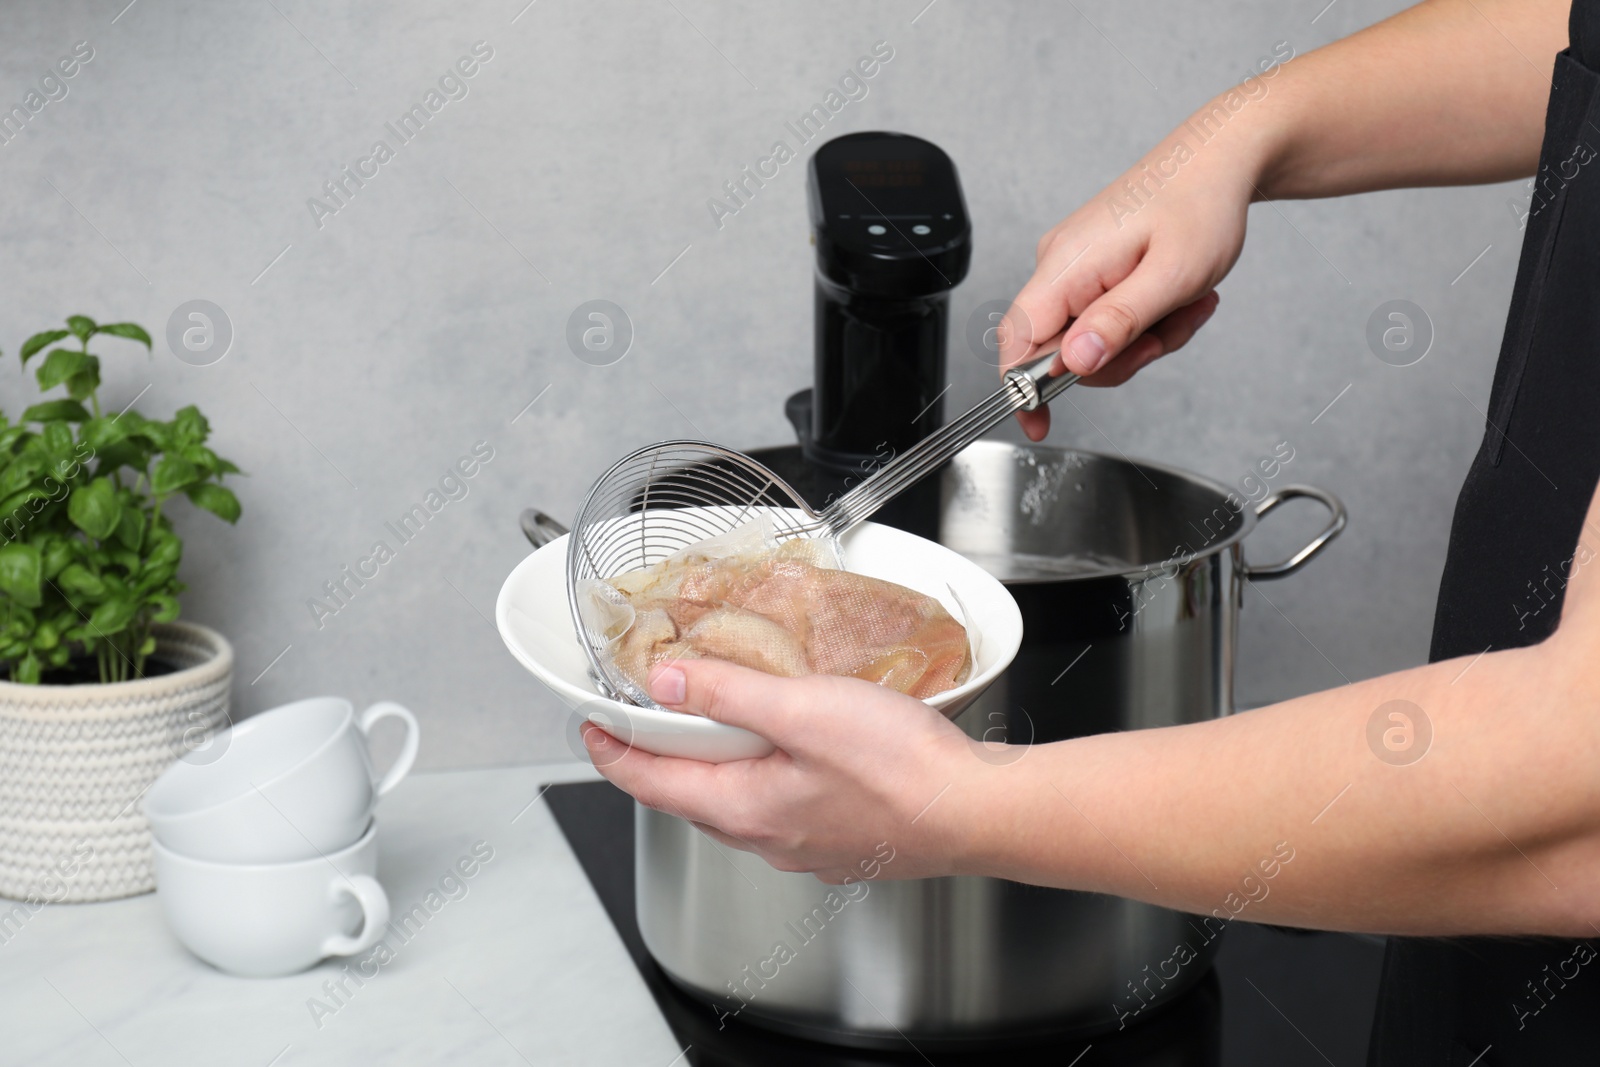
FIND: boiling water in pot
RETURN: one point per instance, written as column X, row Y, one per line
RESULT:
column 1025, row 566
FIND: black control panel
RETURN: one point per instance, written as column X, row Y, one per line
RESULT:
column 888, row 215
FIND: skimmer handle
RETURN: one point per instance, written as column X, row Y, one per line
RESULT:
column 1037, row 385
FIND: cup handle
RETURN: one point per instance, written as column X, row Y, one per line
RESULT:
column 384, row 709
column 374, row 915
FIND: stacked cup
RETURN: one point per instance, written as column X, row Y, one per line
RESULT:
column 265, row 842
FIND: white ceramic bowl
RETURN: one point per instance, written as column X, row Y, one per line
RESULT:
column 536, row 625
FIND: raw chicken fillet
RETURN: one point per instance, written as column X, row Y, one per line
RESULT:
column 780, row 609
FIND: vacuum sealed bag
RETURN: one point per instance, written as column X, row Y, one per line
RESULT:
column 786, row 608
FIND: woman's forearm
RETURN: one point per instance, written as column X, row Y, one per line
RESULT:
column 1303, row 814
column 1449, row 92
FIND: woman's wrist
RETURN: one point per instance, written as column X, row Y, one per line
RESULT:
column 1246, row 141
column 1228, row 149
column 1250, row 133
column 1006, row 815
column 968, row 824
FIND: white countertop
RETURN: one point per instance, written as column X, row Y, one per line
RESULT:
column 522, row 968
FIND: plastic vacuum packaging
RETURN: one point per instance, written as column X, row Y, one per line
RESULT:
column 787, row 608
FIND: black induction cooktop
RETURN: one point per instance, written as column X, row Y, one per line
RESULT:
column 1278, row 998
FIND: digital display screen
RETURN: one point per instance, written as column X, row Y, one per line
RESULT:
column 885, row 176
column 885, row 173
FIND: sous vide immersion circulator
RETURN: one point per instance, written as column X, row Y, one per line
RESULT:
column 893, row 238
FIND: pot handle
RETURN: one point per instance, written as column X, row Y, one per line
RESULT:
column 1336, row 524
column 539, row 528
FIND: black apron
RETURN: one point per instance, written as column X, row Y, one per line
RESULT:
column 1524, row 1000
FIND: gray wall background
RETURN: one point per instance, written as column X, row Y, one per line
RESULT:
column 424, row 317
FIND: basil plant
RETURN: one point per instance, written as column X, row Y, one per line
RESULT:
column 88, row 556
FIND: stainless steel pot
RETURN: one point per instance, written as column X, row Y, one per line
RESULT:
column 1130, row 577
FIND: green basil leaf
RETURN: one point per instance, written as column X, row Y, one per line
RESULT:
column 26, row 671
column 21, row 623
column 98, row 433
column 189, row 427
column 46, row 637
column 154, row 432
column 113, row 616
column 56, row 411
column 21, row 472
column 14, row 516
column 20, row 573
column 56, row 556
column 217, row 500
column 94, row 508
column 166, row 607
column 81, row 326
column 57, row 440
column 207, row 460
column 80, row 579
column 131, row 331
column 38, row 341
column 154, row 578
column 130, row 528
column 172, row 474
column 164, row 553
column 81, row 386
column 59, row 365
column 128, row 453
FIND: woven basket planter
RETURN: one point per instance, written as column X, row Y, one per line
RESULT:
column 75, row 759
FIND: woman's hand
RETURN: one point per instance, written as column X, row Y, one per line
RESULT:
column 860, row 772
column 1130, row 276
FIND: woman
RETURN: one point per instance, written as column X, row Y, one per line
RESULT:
column 1497, row 831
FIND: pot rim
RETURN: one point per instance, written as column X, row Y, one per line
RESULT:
column 1247, row 514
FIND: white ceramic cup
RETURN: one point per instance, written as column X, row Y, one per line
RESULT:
column 263, row 920
column 292, row 783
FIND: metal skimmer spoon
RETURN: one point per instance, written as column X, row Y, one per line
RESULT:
column 670, row 495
